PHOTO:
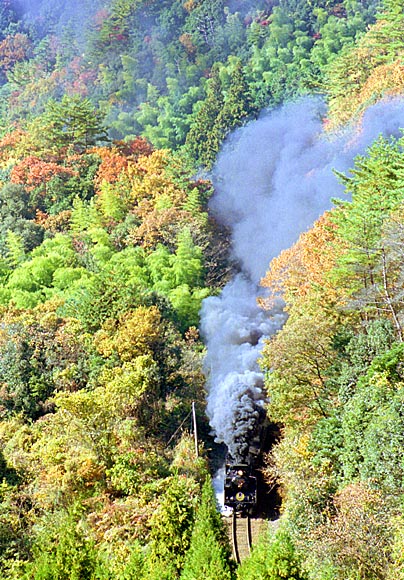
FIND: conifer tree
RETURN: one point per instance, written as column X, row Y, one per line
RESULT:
column 239, row 103
column 376, row 191
column 204, row 137
column 15, row 249
column 274, row 558
column 390, row 39
column 208, row 555
column 64, row 550
column 73, row 122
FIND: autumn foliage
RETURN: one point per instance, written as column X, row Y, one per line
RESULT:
column 300, row 273
column 33, row 172
column 14, row 49
column 111, row 115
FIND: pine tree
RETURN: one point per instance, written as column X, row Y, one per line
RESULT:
column 15, row 249
column 376, row 191
column 73, row 122
column 389, row 39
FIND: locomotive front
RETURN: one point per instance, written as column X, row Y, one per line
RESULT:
column 240, row 488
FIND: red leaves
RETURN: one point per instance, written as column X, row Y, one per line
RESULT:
column 33, row 172
column 136, row 148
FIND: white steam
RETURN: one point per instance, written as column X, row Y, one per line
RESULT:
column 218, row 488
column 273, row 179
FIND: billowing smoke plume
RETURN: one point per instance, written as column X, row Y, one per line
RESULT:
column 273, row 179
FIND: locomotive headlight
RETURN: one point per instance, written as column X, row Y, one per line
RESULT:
column 240, row 496
column 240, row 472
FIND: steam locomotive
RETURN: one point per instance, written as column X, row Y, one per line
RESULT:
column 240, row 488
column 245, row 489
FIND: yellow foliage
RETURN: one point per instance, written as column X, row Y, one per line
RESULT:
column 125, row 385
column 137, row 333
column 149, row 179
column 396, row 571
column 64, row 459
column 158, row 226
column 387, row 79
column 360, row 532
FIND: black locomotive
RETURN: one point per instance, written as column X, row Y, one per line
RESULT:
column 245, row 488
column 240, row 488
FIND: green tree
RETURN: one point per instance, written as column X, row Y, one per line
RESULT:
column 372, row 424
column 63, row 549
column 73, row 123
column 15, row 249
column 376, row 191
column 172, row 522
column 26, row 380
column 274, row 558
column 238, row 105
column 205, row 135
column 187, row 262
column 16, row 219
column 208, row 555
column 203, row 21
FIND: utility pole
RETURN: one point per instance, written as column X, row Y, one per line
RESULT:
column 195, row 429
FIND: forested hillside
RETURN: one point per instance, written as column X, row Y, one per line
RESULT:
column 112, row 114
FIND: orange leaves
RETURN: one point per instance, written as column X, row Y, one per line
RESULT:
column 115, row 160
column 140, row 180
column 111, row 167
column 54, row 223
column 186, row 41
column 14, row 49
column 33, row 172
column 302, row 269
column 368, row 72
column 9, row 141
column 300, row 354
column 138, row 147
column 143, row 173
column 157, row 200
column 189, row 5
column 386, row 79
column 10, row 144
column 159, row 226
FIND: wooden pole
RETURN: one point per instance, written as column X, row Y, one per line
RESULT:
column 195, row 429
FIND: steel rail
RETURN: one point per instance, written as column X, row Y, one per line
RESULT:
column 236, row 554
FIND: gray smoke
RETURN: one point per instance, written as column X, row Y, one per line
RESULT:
column 56, row 16
column 273, row 179
column 234, row 328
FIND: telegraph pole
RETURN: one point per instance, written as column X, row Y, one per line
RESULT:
column 195, row 429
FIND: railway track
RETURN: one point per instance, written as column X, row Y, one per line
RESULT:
column 244, row 531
